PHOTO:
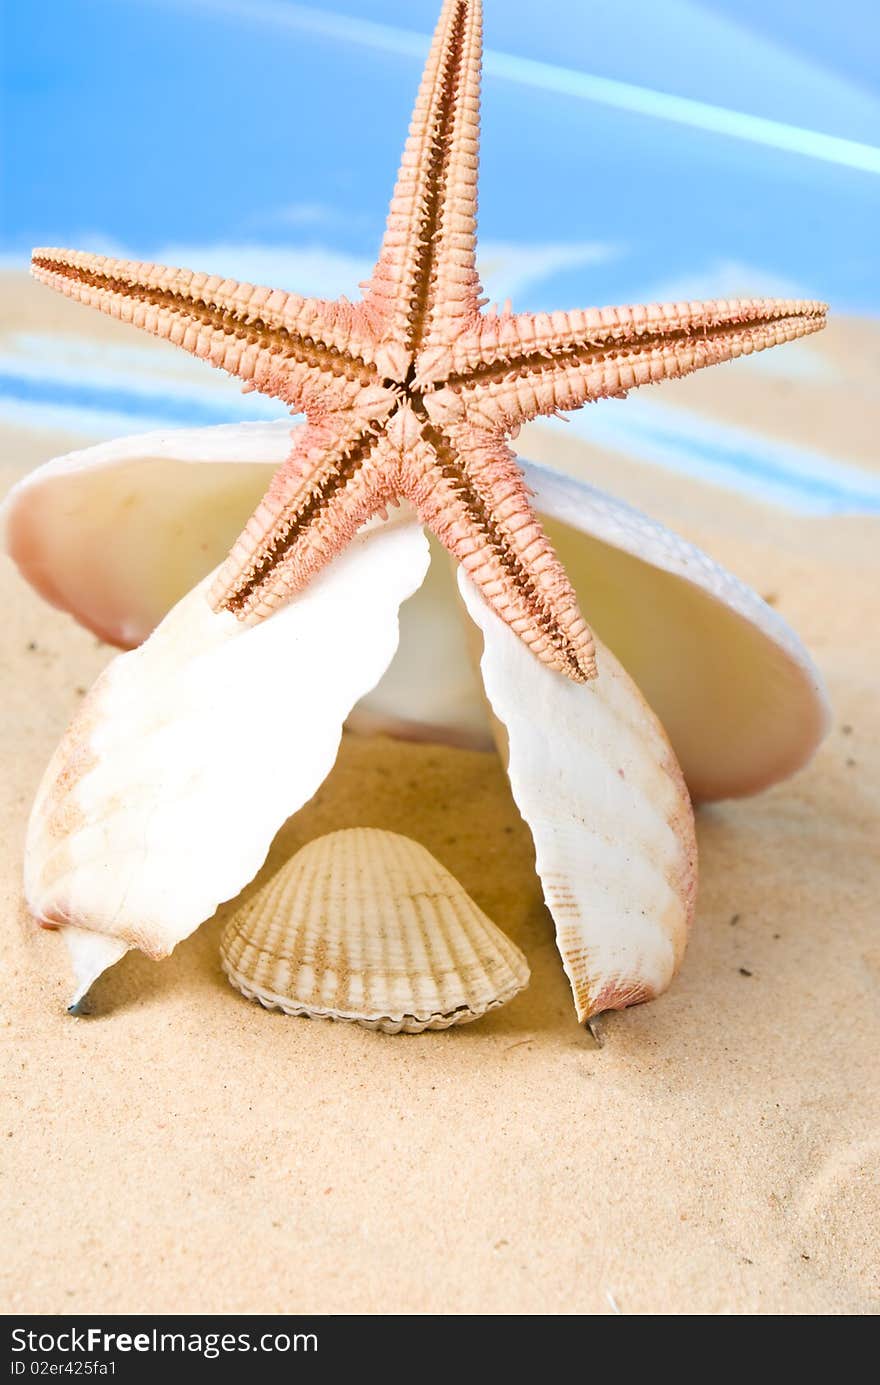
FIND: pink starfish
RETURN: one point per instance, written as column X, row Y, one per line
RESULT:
column 413, row 392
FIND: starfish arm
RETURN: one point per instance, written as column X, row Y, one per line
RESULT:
column 297, row 349
column 468, row 489
column 513, row 367
column 336, row 478
column 425, row 286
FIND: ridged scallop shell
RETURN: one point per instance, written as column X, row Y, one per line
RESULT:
column 366, row 925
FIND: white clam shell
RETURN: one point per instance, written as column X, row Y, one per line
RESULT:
column 116, row 533
column 595, row 778
column 738, row 695
column 162, row 799
column 366, row 925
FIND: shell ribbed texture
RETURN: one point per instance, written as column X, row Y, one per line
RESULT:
column 366, row 925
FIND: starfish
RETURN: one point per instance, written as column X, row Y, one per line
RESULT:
column 414, row 392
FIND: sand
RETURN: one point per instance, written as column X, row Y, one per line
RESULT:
column 181, row 1150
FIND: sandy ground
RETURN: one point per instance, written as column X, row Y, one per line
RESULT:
column 181, row 1150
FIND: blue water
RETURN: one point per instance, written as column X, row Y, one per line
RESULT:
column 135, row 406
column 793, row 478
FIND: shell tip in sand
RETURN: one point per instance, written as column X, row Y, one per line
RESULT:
column 90, row 955
column 595, row 1026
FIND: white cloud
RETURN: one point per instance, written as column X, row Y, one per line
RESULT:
column 310, row 214
column 509, row 269
column 307, row 269
column 306, row 214
column 724, row 279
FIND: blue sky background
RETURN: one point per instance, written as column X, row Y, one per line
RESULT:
column 249, row 135
column 657, row 149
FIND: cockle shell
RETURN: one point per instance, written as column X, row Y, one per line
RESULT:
column 366, row 925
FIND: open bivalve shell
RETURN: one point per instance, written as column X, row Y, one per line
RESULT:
column 366, row 925
column 117, row 533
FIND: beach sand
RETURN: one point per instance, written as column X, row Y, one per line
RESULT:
column 181, row 1150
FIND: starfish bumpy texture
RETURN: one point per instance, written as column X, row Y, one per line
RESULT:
column 414, row 392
